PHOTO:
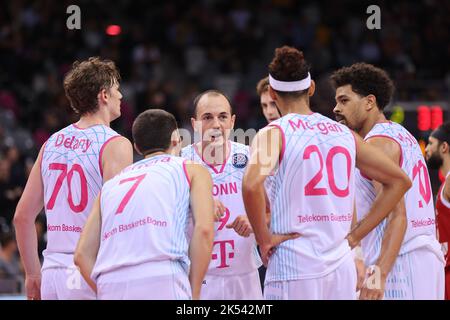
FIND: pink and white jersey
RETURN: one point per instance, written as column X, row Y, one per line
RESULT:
column 72, row 175
column 232, row 254
column 145, row 216
column 421, row 229
column 268, row 185
column 312, row 194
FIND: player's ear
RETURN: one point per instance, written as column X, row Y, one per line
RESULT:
column 312, row 88
column 272, row 94
column 196, row 124
column 445, row 147
column 175, row 138
column 371, row 102
column 137, row 149
column 103, row 96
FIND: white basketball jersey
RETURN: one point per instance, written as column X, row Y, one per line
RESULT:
column 421, row 229
column 232, row 254
column 312, row 194
column 145, row 215
column 71, row 171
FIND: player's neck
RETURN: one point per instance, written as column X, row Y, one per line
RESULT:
column 213, row 154
column 297, row 106
column 371, row 121
column 90, row 120
column 154, row 154
column 445, row 168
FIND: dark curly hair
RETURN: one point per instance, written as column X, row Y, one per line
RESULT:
column 86, row 79
column 366, row 79
column 289, row 64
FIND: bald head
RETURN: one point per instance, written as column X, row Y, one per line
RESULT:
column 208, row 99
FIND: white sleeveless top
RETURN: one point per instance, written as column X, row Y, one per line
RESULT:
column 312, row 194
column 72, row 175
column 145, row 216
column 421, row 229
column 232, row 254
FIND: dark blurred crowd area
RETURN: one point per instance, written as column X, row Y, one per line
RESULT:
column 169, row 51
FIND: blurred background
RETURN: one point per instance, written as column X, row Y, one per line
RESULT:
column 169, row 51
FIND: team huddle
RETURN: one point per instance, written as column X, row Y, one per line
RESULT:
column 334, row 209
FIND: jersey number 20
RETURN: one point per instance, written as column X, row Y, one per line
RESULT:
column 310, row 188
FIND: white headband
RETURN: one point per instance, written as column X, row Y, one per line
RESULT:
column 290, row 86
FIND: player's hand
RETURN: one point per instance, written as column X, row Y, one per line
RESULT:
column 360, row 272
column 373, row 287
column 33, row 287
column 268, row 249
column 241, row 225
column 219, row 210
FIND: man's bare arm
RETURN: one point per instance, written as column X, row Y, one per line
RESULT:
column 29, row 206
column 89, row 244
column 396, row 223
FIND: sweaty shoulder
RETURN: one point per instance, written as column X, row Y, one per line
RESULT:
column 195, row 169
column 115, row 155
column 119, row 141
column 392, row 135
column 117, row 145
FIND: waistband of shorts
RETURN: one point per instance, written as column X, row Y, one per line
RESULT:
column 425, row 242
column 142, row 270
column 231, row 276
column 346, row 257
column 54, row 260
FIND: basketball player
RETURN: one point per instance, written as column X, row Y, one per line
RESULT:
column 233, row 271
column 308, row 248
column 67, row 176
column 135, row 243
column 438, row 157
column 409, row 263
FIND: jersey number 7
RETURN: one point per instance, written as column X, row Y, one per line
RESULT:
column 130, row 192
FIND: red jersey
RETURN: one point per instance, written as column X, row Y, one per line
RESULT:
column 443, row 220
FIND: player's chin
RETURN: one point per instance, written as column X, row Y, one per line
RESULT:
column 116, row 115
column 217, row 141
